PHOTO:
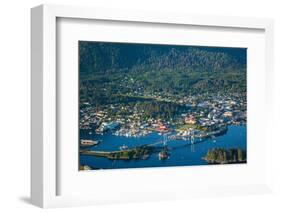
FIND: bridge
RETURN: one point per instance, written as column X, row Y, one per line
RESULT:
column 172, row 138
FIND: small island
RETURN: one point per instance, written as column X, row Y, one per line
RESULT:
column 225, row 156
column 140, row 152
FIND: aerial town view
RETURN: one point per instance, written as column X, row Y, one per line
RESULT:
column 155, row 105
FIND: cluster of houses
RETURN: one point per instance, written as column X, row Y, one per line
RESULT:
column 215, row 110
column 141, row 129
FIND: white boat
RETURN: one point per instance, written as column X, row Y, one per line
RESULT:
column 123, row 147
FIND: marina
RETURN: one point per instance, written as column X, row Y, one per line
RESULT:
column 177, row 152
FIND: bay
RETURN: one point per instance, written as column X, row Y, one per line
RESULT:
column 181, row 152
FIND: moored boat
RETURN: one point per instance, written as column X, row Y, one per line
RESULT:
column 163, row 155
column 86, row 143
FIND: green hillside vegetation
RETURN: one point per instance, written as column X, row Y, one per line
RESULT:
column 131, row 73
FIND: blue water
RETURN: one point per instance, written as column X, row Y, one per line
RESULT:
column 182, row 153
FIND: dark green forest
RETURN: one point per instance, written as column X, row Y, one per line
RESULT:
column 220, row 155
column 118, row 72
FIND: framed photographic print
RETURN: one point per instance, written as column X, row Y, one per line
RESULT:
column 151, row 105
column 148, row 105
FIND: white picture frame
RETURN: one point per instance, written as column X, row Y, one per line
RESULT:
column 44, row 155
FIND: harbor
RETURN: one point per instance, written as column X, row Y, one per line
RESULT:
column 177, row 151
column 148, row 105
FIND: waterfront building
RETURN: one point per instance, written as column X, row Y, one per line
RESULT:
column 228, row 114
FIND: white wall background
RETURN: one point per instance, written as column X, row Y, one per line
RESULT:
column 15, row 104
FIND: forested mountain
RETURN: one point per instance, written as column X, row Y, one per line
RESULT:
column 102, row 56
column 107, row 69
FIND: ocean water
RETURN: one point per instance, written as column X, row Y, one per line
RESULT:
column 181, row 153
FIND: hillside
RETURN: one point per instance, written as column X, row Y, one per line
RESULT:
column 107, row 69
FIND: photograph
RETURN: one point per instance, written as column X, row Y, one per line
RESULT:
column 161, row 105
